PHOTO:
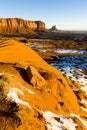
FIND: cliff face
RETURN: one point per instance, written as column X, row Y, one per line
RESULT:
column 17, row 25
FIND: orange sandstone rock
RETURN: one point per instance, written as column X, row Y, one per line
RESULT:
column 21, row 104
column 18, row 25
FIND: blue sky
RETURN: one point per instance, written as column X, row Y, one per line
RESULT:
column 65, row 14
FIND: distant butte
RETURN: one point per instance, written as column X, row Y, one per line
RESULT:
column 54, row 29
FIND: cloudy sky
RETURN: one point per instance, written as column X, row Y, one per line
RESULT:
column 65, row 14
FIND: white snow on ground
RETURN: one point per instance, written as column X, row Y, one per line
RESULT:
column 29, row 91
column 84, row 88
column 77, row 116
column 80, row 78
column 69, row 51
column 63, row 51
column 76, row 75
column 58, row 122
column 60, row 51
column 57, row 50
column 25, row 89
column 84, row 109
column 84, row 102
column 12, row 94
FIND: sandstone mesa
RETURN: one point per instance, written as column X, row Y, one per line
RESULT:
column 18, row 25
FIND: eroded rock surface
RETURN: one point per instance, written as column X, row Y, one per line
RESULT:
column 23, row 106
column 18, row 25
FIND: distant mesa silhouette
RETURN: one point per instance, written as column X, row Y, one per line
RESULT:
column 54, row 29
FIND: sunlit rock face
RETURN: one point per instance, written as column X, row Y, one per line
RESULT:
column 18, row 25
column 34, row 95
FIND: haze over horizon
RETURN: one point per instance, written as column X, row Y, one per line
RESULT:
column 65, row 14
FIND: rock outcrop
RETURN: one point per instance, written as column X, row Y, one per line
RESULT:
column 23, row 106
column 35, row 79
column 18, row 25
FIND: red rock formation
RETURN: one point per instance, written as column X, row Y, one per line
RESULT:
column 18, row 25
column 46, row 101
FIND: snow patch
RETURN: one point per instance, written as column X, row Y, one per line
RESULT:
column 12, row 94
column 26, row 89
column 76, row 75
column 69, row 51
column 77, row 116
column 29, row 91
column 55, row 122
column 84, row 88
column 74, row 67
column 84, row 102
column 84, row 109
column 63, row 51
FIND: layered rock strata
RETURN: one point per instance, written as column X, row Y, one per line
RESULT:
column 18, row 25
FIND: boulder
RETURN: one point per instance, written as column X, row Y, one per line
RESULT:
column 35, row 78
